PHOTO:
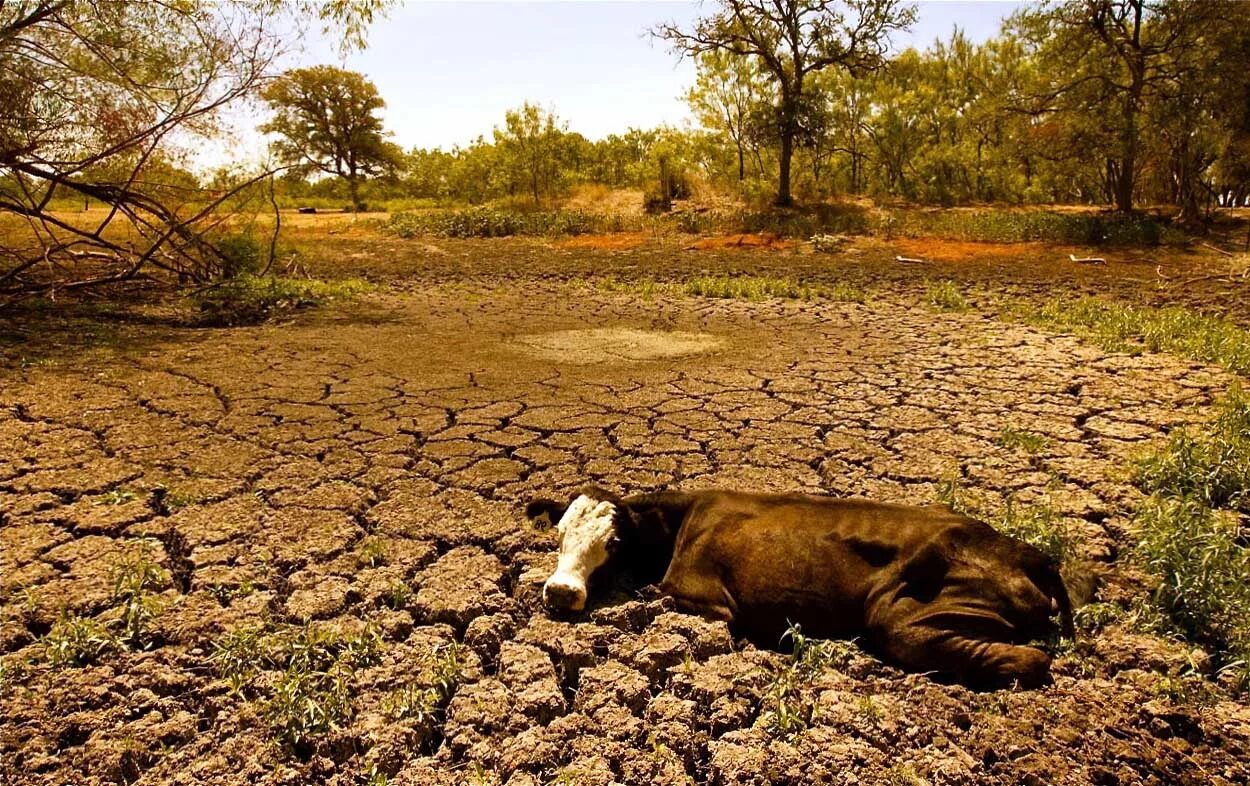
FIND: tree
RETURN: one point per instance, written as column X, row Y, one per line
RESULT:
column 325, row 118
column 1106, row 60
column 100, row 99
column 791, row 39
column 727, row 91
column 533, row 140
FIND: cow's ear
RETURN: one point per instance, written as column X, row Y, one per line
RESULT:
column 545, row 512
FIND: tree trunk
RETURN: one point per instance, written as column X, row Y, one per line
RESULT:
column 787, row 153
column 742, row 164
column 353, row 187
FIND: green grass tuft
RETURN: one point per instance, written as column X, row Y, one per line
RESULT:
column 757, row 288
column 1211, row 465
column 250, row 299
column 77, row 641
column 312, row 692
column 1124, row 327
column 1019, row 439
column 1202, row 569
column 945, row 296
column 135, row 577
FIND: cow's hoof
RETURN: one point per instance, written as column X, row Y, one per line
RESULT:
column 1027, row 667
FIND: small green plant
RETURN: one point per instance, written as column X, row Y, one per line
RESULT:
column 176, row 499
column 1035, row 524
column 117, row 496
column 945, row 296
column 869, row 710
column 788, row 708
column 241, row 253
column 1096, row 616
column 312, row 694
column 306, row 703
column 225, row 593
column 135, row 576
column 1019, row 439
column 238, row 655
column 427, row 696
column 371, row 554
column 397, row 595
column 77, row 641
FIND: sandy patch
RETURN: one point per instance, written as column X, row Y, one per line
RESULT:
column 600, row 345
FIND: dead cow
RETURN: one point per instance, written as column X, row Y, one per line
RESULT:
column 924, row 587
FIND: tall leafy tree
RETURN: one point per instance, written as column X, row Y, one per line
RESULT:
column 535, row 143
column 790, row 40
column 326, row 119
column 728, row 92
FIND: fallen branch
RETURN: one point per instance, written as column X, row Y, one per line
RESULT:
column 1087, row 260
column 1217, row 249
column 911, row 260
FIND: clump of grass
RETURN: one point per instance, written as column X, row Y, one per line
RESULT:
column 1015, row 226
column 503, row 222
column 424, row 698
column 117, row 496
column 77, row 641
column 1120, row 327
column 249, row 299
column 371, row 554
column 135, row 577
column 1202, row 569
column 397, row 595
column 238, row 655
column 1211, row 465
column 307, row 703
column 757, row 288
column 945, row 296
column 1019, row 439
column 1096, row 616
column 311, row 695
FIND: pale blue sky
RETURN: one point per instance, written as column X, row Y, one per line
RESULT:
column 449, row 70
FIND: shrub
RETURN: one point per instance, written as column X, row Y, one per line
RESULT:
column 241, row 253
column 496, row 222
column 1015, row 226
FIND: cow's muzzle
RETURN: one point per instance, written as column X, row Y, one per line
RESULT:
column 564, row 593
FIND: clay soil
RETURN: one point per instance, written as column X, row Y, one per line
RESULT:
column 297, row 471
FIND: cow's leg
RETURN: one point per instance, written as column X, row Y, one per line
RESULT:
column 978, row 662
column 700, row 594
column 967, row 644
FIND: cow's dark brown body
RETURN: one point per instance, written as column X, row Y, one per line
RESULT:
column 927, row 588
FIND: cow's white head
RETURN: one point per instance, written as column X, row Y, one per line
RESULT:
column 587, row 532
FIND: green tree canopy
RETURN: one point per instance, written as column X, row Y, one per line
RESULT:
column 326, row 119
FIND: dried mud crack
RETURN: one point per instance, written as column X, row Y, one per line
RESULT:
column 366, row 467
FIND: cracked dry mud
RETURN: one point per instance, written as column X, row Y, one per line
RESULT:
column 266, row 461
